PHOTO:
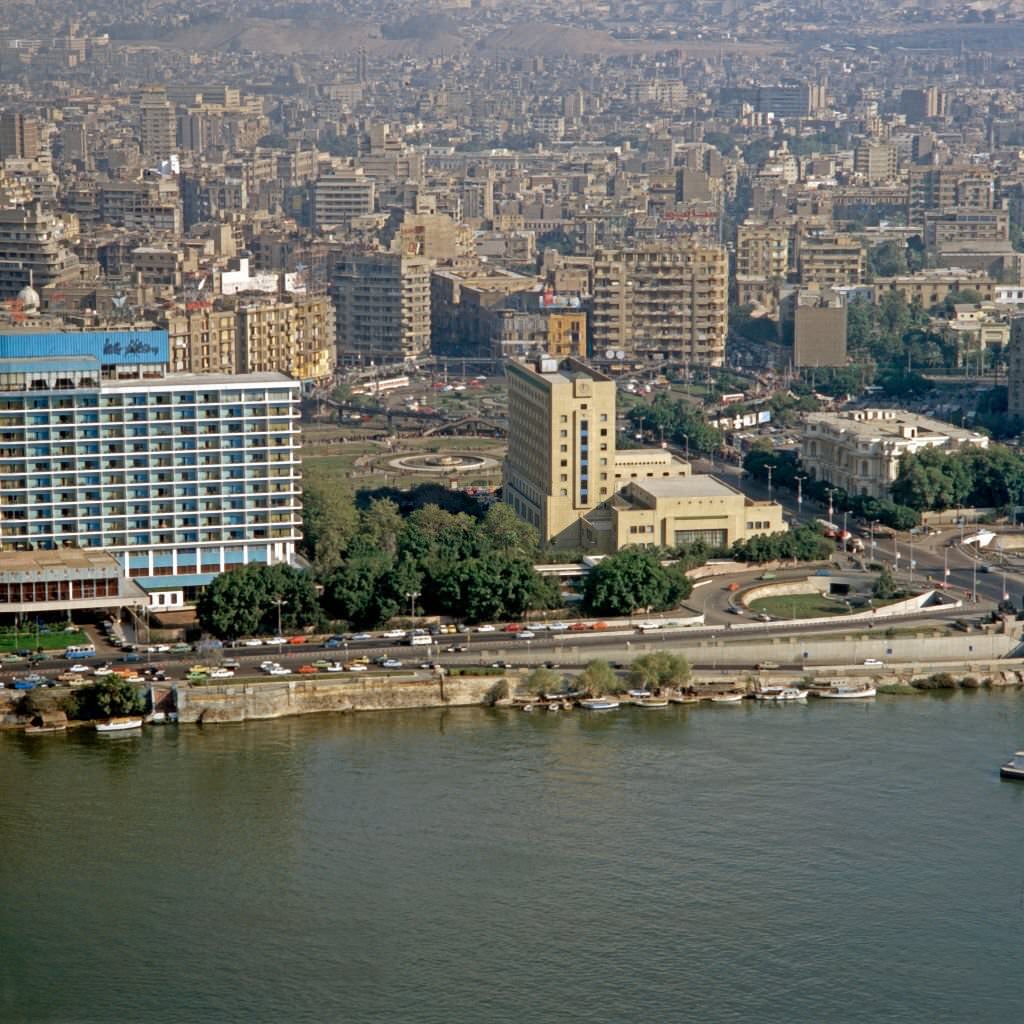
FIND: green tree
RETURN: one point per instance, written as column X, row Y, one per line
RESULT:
column 543, row 680
column 245, row 602
column 884, row 588
column 632, row 580
column 108, row 697
column 659, row 669
column 356, row 590
column 597, row 678
column 887, row 260
column 329, row 521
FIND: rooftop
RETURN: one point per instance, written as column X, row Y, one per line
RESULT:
column 200, row 380
column 892, row 423
column 701, row 485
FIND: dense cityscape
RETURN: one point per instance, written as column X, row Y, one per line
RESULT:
column 617, row 355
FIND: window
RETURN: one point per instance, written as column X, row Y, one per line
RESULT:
column 563, row 447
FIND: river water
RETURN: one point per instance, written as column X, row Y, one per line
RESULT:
column 835, row 862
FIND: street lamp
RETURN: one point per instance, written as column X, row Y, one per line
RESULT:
column 871, row 527
column 770, row 468
column 831, row 491
column 686, row 441
column 280, row 602
column 412, row 595
column 800, row 478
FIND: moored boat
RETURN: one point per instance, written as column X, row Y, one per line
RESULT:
column 1014, row 769
column 789, row 693
column 845, row 691
column 119, row 724
column 769, row 692
column 652, row 702
column 727, row 698
column 599, row 704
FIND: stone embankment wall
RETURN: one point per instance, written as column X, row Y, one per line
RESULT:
column 255, row 700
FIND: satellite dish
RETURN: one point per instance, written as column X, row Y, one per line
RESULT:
column 620, row 355
column 609, row 353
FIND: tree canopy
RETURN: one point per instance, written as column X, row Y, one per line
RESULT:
column 108, row 697
column 633, row 580
column 244, row 602
column 681, row 422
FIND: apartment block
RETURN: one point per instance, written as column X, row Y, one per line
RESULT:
column 158, row 125
column 179, row 477
column 294, row 336
column 33, row 249
column 202, row 340
column 340, row 196
column 19, row 136
column 948, row 227
column 383, row 306
column 830, row 260
column 662, row 302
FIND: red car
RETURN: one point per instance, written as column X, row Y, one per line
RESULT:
column 512, row 627
column 578, row 627
column 297, row 640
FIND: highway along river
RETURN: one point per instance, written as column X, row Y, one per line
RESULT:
column 842, row 861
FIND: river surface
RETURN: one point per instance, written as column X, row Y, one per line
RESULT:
column 834, row 862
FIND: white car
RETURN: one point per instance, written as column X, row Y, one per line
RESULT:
column 393, row 634
column 222, row 673
column 334, row 666
column 277, row 640
column 649, row 625
column 525, row 634
column 485, row 629
column 873, row 663
column 557, row 627
column 356, row 666
column 278, row 670
column 252, row 642
column 390, row 663
column 79, row 668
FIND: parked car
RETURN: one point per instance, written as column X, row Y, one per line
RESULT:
column 486, row 628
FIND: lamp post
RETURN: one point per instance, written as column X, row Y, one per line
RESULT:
column 412, row 595
column 846, row 542
column 871, row 527
column 831, row 491
column 686, row 442
column 799, row 478
column 770, row 468
column 280, row 602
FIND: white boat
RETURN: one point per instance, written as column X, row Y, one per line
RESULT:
column 769, row 692
column 1014, row 769
column 156, row 718
column 599, row 704
column 119, row 724
column 845, row 691
column 791, row 693
column 638, row 694
column 555, row 706
column 527, row 707
column 652, row 702
column 727, row 698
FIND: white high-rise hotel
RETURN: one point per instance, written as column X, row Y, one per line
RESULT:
column 178, row 477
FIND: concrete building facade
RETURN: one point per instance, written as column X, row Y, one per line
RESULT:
column 860, row 451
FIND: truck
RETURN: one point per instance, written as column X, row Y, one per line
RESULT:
column 419, row 639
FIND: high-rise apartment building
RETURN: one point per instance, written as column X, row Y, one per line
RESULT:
column 294, row 335
column 32, row 249
column 202, row 340
column 876, row 161
column 561, row 445
column 340, row 196
column 19, row 136
column 762, row 261
column 662, row 302
column 919, row 105
column 383, row 306
column 830, row 259
column 158, row 124
column 179, row 477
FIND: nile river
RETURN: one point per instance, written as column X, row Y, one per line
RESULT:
column 829, row 863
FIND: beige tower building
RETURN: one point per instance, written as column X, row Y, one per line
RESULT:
column 293, row 336
column 564, row 476
column 662, row 302
column 158, row 124
column 561, row 445
column 383, row 306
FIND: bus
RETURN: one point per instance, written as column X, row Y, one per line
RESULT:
column 81, row 651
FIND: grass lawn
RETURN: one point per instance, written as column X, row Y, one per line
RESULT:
column 49, row 641
column 798, row 606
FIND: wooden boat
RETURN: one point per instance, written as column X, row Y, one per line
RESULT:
column 686, row 698
column 599, row 704
column 791, row 693
column 845, row 691
column 1014, row 769
column 38, row 730
column 727, row 698
column 652, row 702
column 119, row 724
